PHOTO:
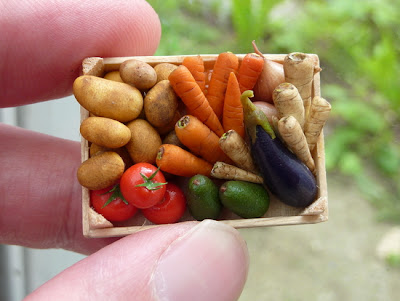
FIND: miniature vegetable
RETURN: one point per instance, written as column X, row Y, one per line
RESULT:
column 232, row 117
column 271, row 76
column 143, row 185
column 236, row 148
column 319, row 113
column 288, row 102
column 195, row 65
column 226, row 63
column 170, row 209
column 199, row 139
column 299, row 70
column 110, row 203
column 189, row 91
column 283, row 173
column 249, row 71
column 226, row 171
column 291, row 132
column 177, row 161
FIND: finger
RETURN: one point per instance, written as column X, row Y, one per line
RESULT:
column 46, row 41
column 40, row 205
column 204, row 261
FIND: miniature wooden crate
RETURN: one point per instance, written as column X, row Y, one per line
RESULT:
column 278, row 213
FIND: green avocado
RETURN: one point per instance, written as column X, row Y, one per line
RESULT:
column 248, row 200
column 202, row 198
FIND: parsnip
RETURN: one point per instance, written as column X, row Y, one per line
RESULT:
column 234, row 146
column 319, row 113
column 226, row 171
column 292, row 134
column 288, row 102
column 299, row 69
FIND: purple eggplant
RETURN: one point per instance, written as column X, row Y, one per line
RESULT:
column 284, row 174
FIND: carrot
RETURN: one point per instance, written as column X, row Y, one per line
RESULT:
column 249, row 71
column 237, row 149
column 177, row 161
column 199, row 139
column 188, row 90
column 319, row 113
column 291, row 132
column 232, row 117
column 195, row 65
column 226, row 63
column 225, row 171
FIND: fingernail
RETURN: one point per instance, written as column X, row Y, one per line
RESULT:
column 210, row 262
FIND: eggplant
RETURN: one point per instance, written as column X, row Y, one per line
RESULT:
column 284, row 175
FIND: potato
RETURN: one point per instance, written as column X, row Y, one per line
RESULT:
column 97, row 149
column 114, row 75
column 105, row 98
column 137, row 73
column 101, row 171
column 105, row 132
column 163, row 70
column 160, row 104
column 171, row 125
column 144, row 142
column 172, row 138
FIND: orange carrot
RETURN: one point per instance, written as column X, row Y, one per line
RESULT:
column 177, row 161
column 199, row 139
column 226, row 63
column 195, row 65
column 188, row 90
column 249, row 71
column 232, row 117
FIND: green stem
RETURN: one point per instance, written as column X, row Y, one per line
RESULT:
column 254, row 116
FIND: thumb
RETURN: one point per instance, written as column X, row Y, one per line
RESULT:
column 187, row 261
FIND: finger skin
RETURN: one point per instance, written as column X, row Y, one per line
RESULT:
column 41, row 204
column 180, row 262
column 46, row 41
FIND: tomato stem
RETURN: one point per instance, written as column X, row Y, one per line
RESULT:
column 148, row 183
column 116, row 193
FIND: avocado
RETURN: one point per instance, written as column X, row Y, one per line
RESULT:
column 248, row 200
column 202, row 198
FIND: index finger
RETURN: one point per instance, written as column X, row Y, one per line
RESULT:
column 46, row 41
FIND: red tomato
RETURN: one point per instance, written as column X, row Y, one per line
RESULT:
column 116, row 210
column 170, row 209
column 143, row 185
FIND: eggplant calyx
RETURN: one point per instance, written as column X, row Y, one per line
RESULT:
column 254, row 116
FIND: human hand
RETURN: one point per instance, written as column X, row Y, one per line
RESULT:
column 43, row 45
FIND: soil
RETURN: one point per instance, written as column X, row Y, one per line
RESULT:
column 334, row 260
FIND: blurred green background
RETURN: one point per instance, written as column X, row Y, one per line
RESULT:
column 358, row 43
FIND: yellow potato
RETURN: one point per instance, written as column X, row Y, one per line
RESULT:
column 114, row 75
column 163, row 70
column 171, row 125
column 97, row 149
column 144, row 142
column 139, row 74
column 105, row 132
column 107, row 98
column 101, row 171
column 160, row 104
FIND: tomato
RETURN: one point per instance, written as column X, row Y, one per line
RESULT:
column 143, row 185
column 116, row 210
column 170, row 209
